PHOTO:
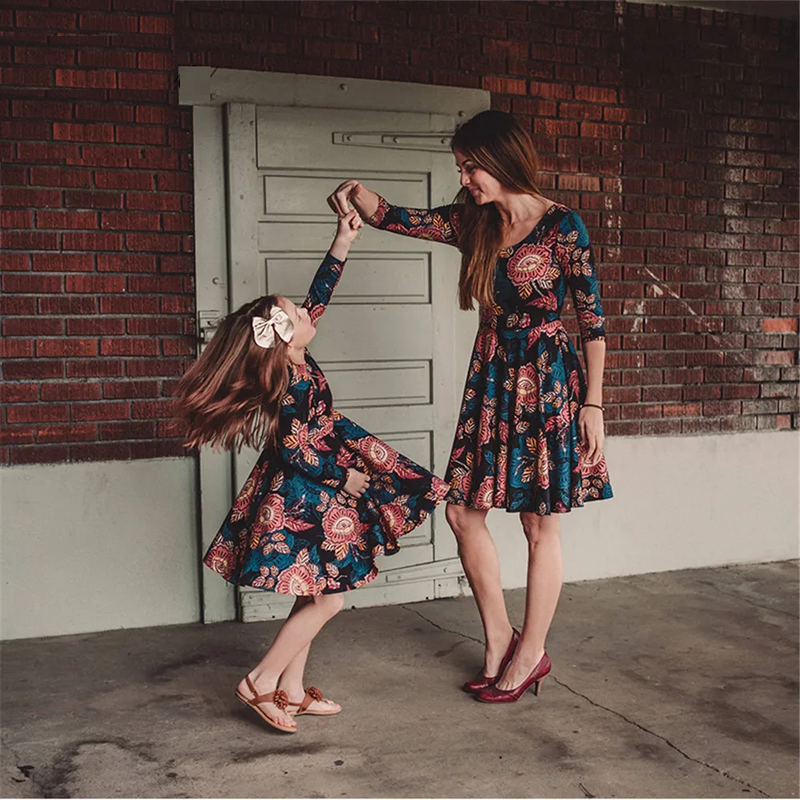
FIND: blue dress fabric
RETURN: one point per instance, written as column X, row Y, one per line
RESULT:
column 517, row 445
column 292, row 529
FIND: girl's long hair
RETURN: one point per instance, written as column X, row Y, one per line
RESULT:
column 497, row 143
column 231, row 396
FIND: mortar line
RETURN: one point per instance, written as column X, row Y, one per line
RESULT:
column 666, row 741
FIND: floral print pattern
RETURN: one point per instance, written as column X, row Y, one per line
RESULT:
column 292, row 529
column 517, row 444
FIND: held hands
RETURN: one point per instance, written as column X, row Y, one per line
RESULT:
column 590, row 425
column 357, row 483
column 339, row 201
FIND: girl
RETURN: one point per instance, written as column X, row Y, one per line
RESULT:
column 530, row 433
column 324, row 499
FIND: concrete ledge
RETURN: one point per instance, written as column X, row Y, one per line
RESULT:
column 97, row 546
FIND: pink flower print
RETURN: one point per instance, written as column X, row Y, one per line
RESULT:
column 342, row 530
column 530, row 264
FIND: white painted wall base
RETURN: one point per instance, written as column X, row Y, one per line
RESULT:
column 680, row 502
column 91, row 547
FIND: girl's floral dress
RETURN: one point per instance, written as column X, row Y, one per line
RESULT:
column 517, row 444
column 293, row 529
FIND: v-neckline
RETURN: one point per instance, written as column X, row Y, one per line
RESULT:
column 533, row 229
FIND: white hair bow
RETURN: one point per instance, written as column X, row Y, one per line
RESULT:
column 264, row 329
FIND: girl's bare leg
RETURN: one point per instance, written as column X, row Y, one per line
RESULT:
column 482, row 566
column 291, row 680
column 293, row 638
column 545, row 575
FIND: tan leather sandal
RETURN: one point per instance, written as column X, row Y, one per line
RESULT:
column 279, row 698
column 312, row 694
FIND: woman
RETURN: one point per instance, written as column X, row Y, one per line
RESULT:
column 530, row 433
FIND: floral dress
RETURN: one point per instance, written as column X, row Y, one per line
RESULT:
column 517, row 444
column 293, row 529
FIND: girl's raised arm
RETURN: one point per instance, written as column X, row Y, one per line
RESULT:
column 321, row 289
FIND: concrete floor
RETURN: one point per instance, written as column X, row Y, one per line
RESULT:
column 679, row 684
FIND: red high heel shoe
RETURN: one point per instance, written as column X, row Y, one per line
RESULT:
column 481, row 681
column 491, row 694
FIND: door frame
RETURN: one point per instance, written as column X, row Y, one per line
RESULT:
column 208, row 90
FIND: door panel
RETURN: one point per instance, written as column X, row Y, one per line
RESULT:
column 387, row 342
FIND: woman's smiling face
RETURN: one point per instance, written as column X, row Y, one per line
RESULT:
column 481, row 185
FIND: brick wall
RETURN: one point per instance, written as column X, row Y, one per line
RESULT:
column 673, row 131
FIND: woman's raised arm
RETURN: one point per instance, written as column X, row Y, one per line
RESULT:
column 436, row 224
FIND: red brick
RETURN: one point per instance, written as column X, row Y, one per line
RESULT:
column 130, row 389
column 125, row 262
column 66, row 433
column 19, row 393
column 779, row 325
column 93, row 199
column 130, row 221
column 60, row 176
column 15, row 262
column 102, row 326
column 95, row 369
column 129, row 347
column 155, row 242
column 32, row 370
column 100, row 411
column 38, row 455
column 95, row 284
column 38, row 413
column 129, row 305
column 63, row 262
column 32, row 284
column 67, row 305
column 16, row 435
column 86, row 78
column 31, row 198
column 152, row 409
column 92, row 241
column 71, row 391
column 127, row 430
column 10, row 218
column 154, row 367
column 66, row 219
column 83, row 132
column 110, row 179
column 36, row 326
column 66, row 348
column 177, row 305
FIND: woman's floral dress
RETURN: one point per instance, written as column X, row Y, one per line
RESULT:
column 517, row 444
column 293, row 529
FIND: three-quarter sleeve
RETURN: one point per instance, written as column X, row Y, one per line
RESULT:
column 581, row 274
column 321, row 289
column 307, row 441
column 436, row 224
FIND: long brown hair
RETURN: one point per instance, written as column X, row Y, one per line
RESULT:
column 231, row 396
column 497, row 143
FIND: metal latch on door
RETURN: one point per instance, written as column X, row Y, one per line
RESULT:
column 207, row 324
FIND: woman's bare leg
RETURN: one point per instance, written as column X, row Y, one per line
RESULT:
column 293, row 638
column 291, row 680
column 482, row 566
column 545, row 576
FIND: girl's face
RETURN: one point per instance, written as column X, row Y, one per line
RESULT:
column 482, row 186
column 304, row 331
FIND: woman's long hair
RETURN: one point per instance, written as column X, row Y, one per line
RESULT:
column 497, row 143
column 231, row 396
